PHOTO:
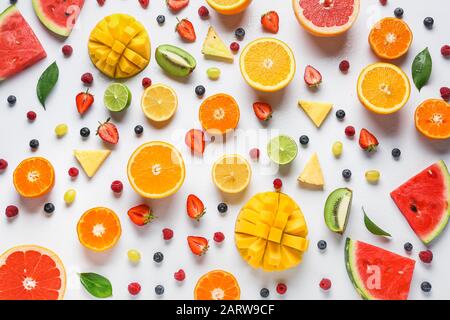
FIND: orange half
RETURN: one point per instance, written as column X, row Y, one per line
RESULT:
column 217, row 285
column 432, row 119
column 219, row 114
column 390, row 38
column 34, row 177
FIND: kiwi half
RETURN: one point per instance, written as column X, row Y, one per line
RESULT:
column 337, row 209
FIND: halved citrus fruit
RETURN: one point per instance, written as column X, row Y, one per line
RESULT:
column 390, row 38
column 219, row 114
column 229, row 7
column 31, row 272
column 217, row 285
column 99, row 229
column 383, row 88
column 159, row 102
column 282, row 150
column 34, row 177
column 326, row 18
column 231, row 173
column 267, row 64
column 156, row 170
column 432, row 119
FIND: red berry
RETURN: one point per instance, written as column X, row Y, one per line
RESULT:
column 73, row 172
column 325, row 284
column 101, row 2
column 277, row 184
column 134, row 288
column 117, row 186
column 281, row 288
column 254, row 153
column 11, row 211
column 203, row 12
column 445, row 50
column 144, row 3
column 219, row 237
column 426, row 256
column 31, row 115
column 3, row 164
column 180, row 275
column 146, row 82
column 234, row 46
column 350, row 131
column 87, row 78
column 167, row 234
column 344, row 65
column 383, row 2
column 445, row 93
column 67, row 50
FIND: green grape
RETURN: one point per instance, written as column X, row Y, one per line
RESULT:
column 213, row 73
column 134, row 255
column 372, row 176
column 69, row 196
column 61, row 130
column 337, row 149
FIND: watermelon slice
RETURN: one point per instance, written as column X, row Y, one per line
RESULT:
column 424, row 201
column 19, row 46
column 378, row 274
column 58, row 16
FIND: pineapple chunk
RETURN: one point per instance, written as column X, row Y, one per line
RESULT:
column 91, row 160
column 215, row 48
column 312, row 173
column 316, row 111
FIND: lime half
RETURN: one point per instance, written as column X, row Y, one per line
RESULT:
column 117, row 97
column 282, row 149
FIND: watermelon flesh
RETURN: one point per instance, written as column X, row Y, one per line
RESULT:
column 378, row 274
column 59, row 16
column 424, row 201
column 19, row 46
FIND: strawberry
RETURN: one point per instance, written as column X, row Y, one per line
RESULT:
column 367, row 140
column 177, row 5
column 198, row 245
column 195, row 207
column 101, row 2
column 186, row 30
column 108, row 132
column 195, row 140
column 263, row 111
column 271, row 21
column 84, row 101
column 140, row 215
column 312, row 76
column 144, row 3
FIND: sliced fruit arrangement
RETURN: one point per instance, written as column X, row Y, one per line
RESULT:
column 156, row 170
column 316, row 111
column 219, row 114
column 215, row 48
column 326, row 18
column 99, row 229
column 312, row 174
column 175, row 61
column 217, row 285
column 378, row 274
column 390, row 38
column 282, row 149
column 159, row 102
column 231, row 173
column 432, row 118
column 119, row 46
column 91, row 160
column 383, row 88
column 267, row 64
column 18, row 43
column 229, row 7
column 31, row 272
column 337, row 209
column 271, row 232
column 117, row 97
column 34, row 177
column 424, row 201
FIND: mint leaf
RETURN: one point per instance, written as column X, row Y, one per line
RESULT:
column 373, row 228
column 421, row 68
column 47, row 82
column 97, row 285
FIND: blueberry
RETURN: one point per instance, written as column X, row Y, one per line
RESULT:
column 264, row 292
column 49, row 207
column 396, row 153
column 161, row 19
column 85, row 132
column 425, row 286
column 239, row 33
column 346, row 173
column 222, row 207
column 138, row 129
column 13, row 1
column 322, row 245
column 158, row 257
column 340, row 114
column 408, row 246
column 200, row 90
column 12, row 100
column 398, row 12
column 304, row 140
column 428, row 22
column 34, row 144
column 159, row 290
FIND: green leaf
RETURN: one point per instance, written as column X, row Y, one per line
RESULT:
column 421, row 68
column 373, row 228
column 47, row 82
column 97, row 285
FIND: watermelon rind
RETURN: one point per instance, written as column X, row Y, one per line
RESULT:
column 49, row 24
column 351, row 266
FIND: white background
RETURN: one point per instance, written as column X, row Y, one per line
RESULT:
column 58, row 232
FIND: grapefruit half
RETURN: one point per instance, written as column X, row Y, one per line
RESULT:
column 326, row 18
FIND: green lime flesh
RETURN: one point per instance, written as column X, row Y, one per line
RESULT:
column 117, row 97
column 282, row 150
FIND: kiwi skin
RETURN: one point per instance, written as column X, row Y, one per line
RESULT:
column 332, row 206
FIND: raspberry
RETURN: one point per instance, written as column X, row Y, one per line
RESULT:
column 87, row 78
column 383, row 2
column 11, row 211
column 101, row 2
column 350, row 131
column 234, row 46
column 146, row 82
column 277, row 184
column 325, row 284
column 344, row 65
column 31, row 115
column 67, row 50
column 203, row 12
column 134, row 288
column 219, row 237
column 281, row 288
column 117, row 186
column 445, row 50
column 445, row 93
column 426, row 256
column 167, row 234
column 73, row 172
column 180, row 275
column 3, row 164
column 144, row 3
column 254, row 153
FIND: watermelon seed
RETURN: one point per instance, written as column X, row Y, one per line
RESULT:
column 413, row 208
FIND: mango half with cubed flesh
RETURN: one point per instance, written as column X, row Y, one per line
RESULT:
column 119, row 46
column 271, row 232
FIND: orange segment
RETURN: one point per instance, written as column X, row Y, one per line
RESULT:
column 432, row 119
column 219, row 114
column 390, row 38
column 34, row 177
column 99, row 229
column 156, row 170
column 217, row 285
